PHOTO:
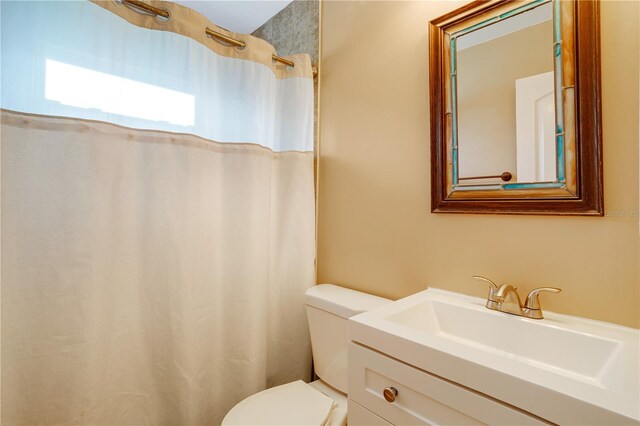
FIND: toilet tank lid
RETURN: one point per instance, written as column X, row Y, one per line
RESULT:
column 342, row 301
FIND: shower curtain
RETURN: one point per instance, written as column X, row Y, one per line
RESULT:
column 157, row 216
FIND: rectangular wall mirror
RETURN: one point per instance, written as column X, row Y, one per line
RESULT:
column 515, row 108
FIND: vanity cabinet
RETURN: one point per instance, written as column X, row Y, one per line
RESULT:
column 358, row 415
column 422, row 397
column 443, row 358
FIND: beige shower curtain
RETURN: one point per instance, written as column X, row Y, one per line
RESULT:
column 151, row 273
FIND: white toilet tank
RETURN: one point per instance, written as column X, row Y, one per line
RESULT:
column 328, row 308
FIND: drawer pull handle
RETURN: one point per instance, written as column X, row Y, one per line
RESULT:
column 390, row 394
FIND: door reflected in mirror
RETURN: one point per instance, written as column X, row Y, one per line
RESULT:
column 505, row 101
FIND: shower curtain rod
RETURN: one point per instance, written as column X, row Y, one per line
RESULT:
column 214, row 34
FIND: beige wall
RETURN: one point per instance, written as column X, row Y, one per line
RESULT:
column 376, row 232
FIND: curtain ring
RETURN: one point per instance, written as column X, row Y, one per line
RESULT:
column 224, row 39
column 161, row 19
column 141, row 10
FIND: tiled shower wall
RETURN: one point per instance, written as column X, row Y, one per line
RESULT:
column 294, row 29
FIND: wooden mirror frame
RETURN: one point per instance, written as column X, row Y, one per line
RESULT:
column 582, row 190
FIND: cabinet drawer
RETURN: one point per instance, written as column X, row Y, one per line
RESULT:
column 422, row 397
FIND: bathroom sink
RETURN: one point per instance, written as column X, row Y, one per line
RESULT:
column 541, row 344
column 555, row 368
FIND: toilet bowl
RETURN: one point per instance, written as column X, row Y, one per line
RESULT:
column 324, row 401
column 296, row 403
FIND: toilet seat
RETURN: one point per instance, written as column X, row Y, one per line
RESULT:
column 295, row 403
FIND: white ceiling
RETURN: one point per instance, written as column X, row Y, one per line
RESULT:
column 239, row 16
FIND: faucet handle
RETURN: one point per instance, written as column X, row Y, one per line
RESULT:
column 491, row 283
column 493, row 287
column 533, row 301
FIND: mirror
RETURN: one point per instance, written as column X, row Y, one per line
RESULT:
column 507, row 83
column 510, row 63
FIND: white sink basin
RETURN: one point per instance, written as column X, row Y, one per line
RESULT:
column 565, row 369
column 543, row 344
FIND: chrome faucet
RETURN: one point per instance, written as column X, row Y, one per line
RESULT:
column 506, row 299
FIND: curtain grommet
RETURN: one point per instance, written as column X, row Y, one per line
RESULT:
column 144, row 9
column 161, row 19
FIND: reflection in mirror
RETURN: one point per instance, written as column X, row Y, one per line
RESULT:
column 505, row 100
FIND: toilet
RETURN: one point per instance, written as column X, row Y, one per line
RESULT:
column 324, row 401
